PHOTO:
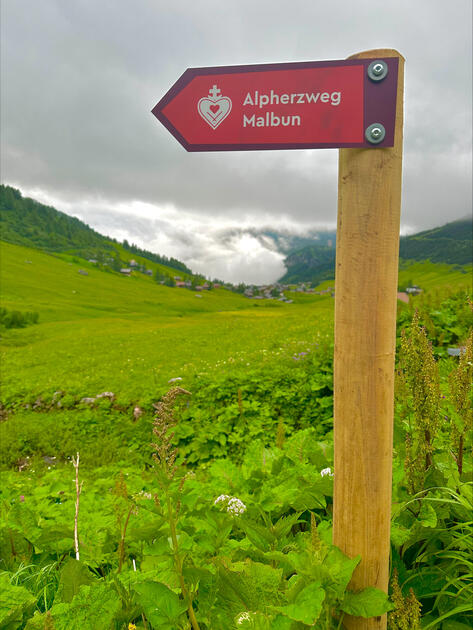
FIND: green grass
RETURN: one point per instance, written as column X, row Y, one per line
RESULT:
column 104, row 332
column 435, row 276
column 55, row 288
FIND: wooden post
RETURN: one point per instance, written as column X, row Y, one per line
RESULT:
column 369, row 201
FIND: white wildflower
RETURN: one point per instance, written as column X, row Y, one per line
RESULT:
column 138, row 496
column 325, row 472
column 244, row 616
column 234, row 506
column 222, row 497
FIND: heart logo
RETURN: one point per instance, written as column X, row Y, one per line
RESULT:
column 214, row 110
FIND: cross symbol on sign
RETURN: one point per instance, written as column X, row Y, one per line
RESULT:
column 214, row 92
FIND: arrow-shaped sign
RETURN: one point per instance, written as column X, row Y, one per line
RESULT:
column 320, row 104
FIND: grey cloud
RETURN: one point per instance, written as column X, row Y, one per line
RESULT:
column 79, row 80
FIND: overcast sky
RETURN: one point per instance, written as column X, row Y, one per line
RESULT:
column 79, row 78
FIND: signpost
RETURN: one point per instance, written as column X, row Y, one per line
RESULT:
column 357, row 106
column 369, row 205
column 321, row 104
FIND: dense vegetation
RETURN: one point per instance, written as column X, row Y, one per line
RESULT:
column 17, row 319
column 244, row 541
column 27, row 222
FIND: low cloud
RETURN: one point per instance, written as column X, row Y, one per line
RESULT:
column 222, row 250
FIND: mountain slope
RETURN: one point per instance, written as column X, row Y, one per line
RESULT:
column 450, row 244
column 314, row 263
column 27, row 222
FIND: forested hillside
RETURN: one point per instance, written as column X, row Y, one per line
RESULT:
column 451, row 243
column 314, row 263
column 24, row 221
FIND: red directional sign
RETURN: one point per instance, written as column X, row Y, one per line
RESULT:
column 322, row 104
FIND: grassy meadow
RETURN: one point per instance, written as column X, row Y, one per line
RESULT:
column 129, row 335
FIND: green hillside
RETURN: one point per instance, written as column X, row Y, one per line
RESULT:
column 460, row 230
column 450, row 244
column 24, row 221
column 57, row 287
column 434, row 277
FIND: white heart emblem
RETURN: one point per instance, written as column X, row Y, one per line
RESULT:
column 214, row 111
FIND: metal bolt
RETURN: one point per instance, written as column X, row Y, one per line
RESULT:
column 377, row 70
column 375, row 133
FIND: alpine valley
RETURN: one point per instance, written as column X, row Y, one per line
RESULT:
column 166, row 440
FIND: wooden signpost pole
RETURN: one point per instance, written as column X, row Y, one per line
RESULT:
column 365, row 332
column 282, row 106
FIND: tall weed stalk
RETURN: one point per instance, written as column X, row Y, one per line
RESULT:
column 419, row 388
column 166, row 468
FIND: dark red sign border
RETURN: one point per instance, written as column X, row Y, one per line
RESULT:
column 379, row 103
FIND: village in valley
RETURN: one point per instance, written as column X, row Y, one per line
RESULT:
column 274, row 291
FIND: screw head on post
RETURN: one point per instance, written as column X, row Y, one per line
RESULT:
column 377, row 70
column 375, row 133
